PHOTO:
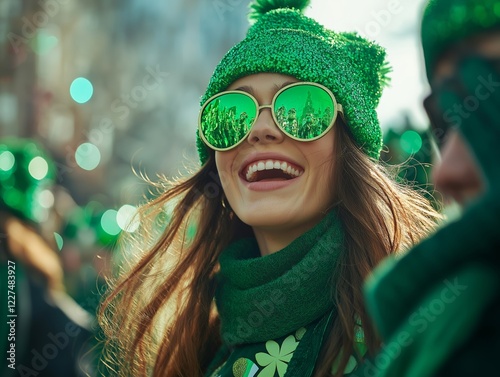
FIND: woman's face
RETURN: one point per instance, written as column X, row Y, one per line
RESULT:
column 270, row 200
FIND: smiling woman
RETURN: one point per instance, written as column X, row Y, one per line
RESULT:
column 268, row 199
column 292, row 211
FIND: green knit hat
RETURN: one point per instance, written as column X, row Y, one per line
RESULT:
column 283, row 40
column 26, row 172
column 446, row 22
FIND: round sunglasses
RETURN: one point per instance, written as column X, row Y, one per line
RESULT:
column 304, row 111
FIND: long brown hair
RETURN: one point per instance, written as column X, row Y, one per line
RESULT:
column 159, row 317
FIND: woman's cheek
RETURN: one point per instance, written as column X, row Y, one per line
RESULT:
column 224, row 163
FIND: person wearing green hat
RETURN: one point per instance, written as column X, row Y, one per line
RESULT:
column 291, row 209
column 437, row 308
column 43, row 332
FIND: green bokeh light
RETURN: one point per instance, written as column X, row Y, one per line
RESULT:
column 410, row 142
column 46, row 199
column 127, row 218
column 87, row 156
column 109, row 222
column 43, row 42
column 59, row 241
column 7, row 160
column 81, row 90
column 13, row 198
column 38, row 168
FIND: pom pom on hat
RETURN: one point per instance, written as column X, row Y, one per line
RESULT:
column 260, row 7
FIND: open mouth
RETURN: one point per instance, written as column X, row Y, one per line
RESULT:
column 271, row 170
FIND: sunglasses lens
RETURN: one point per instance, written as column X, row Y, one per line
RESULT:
column 304, row 111
column 226, row 119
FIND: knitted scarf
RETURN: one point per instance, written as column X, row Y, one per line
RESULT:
column 265, row 297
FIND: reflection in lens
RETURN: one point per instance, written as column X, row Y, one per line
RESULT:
column 226, row 119
column 304, row 111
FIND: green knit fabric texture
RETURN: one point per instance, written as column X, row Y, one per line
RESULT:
column 446, row 22
column 283, row 40
column 266, row 297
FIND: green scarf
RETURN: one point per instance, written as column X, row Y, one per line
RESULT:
column 265, row 297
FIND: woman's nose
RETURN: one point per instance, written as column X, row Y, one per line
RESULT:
column 265, row 130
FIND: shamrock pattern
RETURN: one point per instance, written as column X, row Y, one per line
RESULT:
column 275, row 360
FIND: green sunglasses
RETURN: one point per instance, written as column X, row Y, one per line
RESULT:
column 304, row 111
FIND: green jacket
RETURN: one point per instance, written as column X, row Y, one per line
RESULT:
column 438, row 308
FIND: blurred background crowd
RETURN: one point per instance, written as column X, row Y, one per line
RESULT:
column 96, row 94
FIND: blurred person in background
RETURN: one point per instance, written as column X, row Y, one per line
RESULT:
column 43, row 331
column 437, row 309
column 291, row 210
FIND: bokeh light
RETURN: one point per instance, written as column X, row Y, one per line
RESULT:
column 59, row 240
column 13, row 198
column 127, row 218
column 43, row 42
column 38, row 168
column 81, row 90
column 87, row 156
column 7, row 160
column 46, row 199
column 410, row 142
column 109, row 222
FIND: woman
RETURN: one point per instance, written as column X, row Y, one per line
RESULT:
column 291, row 212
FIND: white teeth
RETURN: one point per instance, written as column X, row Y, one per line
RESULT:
column 270, row 165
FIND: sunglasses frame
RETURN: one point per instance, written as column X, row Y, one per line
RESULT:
column 337, row 106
